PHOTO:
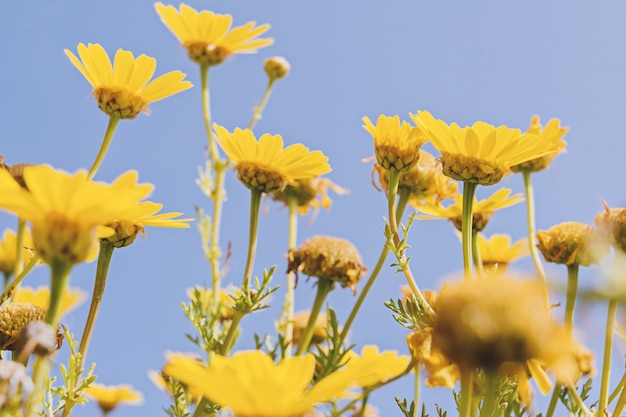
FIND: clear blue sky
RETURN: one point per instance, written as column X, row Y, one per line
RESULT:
column 500, row 62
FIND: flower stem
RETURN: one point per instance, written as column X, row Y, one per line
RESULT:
column 621, row 402
column 19, row 254
column 206, row 107
column 465, row 403
column 258, row 110
column 229, row 340
column 104, row 147
column 59, row 277
column 9, row 290
column 491, row 396
column 469, row 189
column 618, row 388
column 255, row 203
column 554, row 399
column 287, row 314
column 579, row 401
column 478, row 262
column 215, row 252
column 324, row 286
column 606, row 363
column 570, row 300
column 416, row 392
column 530, row 216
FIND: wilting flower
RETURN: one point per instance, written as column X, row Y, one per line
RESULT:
column 309, row 194
column 124, row 89
column 328, row 258
column 552, row 133
column 66, row 210
column 109, row 397
column 264, row 165
column 208, row 36
column 480, row 153
column 8, row 250
column 482, row 210
column 396, row 144
column 250, row 384
column 612, row 224
column 572, row 242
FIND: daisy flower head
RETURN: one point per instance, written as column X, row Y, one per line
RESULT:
column 551, row 133
column 396, row 144
column 40, row 297
column 264, row 165
column 309, row 194
column 109, row 397
column 208, row 36
column 572, row 243
column 9, row 253
column 481, row 153
column 497, row 251
column 67, row 211
column 124, row 89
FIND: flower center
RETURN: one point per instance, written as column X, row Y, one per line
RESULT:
column 396, row 158
column 118, row 101
column 260, row 177
column 467, row 168
column 204, row 53
column 58, row 238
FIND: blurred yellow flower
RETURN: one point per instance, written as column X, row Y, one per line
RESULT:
column 66, row 210
column 572, row 242
column 132, row 222
column 123, row 89
column 109, row 397
column 208, row 36
column 481, row 153
column 374, row 367
column 250, row 384
column 264, row 165
column 442, row 371
column 396, row 144
column 300, row 320
column 205, row 297
column 482, row 210
column 552, row 133
column 309, row 194
column 40, row 297
column 8, row 250
column 497, row 252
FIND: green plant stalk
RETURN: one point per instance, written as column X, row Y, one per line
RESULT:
column 258, row 110
column 530, row 217
column 490, row 404
column 579, row 401
column 465, row 403
column 478, row 261
column 206, row 107
column 9, row 290
column 418, row 380
column 621, row 402
column 570, row 300
column 554, row 400
column 606, row 363
column 104, row 147
column 19, row 254
column 469, row 189
column 255, row 203
column 324, row 287
column 618, row 388
column 288, row 307
column 229, row 340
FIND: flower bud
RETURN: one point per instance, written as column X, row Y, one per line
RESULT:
column 572, row 242
column 276, row 67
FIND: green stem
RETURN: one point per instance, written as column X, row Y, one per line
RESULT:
column 465, row 403
column 530, row 216
column 416, row 392
column 255, row 203
column 570, row 300
column 19, row 254
column 288, row 306
column 59, row 277
column 554, row 400
column 618, row 388
column 621, row 402
column 215, row 252
column 579, row 401
column 258, row 110
column 478, row 262
column 229, row 340
column 469, row 189
column 206, row 106
column 9, row 290
column 324, row 286
column 104, row 147
column 606, row 363
column 491, row 396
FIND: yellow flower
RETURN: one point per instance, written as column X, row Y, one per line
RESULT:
column 309, row 194
column 251, row 385
column 110, row 396
column 276, row 67
column 40, row 297
column 396, row 144
column 300, row 320
column 442, row 372
column 482, row 210
column 132, row 222
column 66, row 210
column 480, row 153
column 208, row 36
column 122, row 89
column 264, row 165
column 552, row 133
column 497, row 251
column 374, row 367
column 8, row 250
column 572, row 242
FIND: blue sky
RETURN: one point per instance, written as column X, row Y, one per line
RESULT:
column 500, row 62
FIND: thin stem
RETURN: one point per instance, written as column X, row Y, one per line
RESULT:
column 258, row 110
column 570, row 300
column 621, row 402
column 206, row 107
column 489, row 405
column 530, row 216
column 10, row 289
column 288, row 306
column 469, row 189
column 618, row 388
column 606, row 363
column 465, row 403
column 215, row 252
column 554, row 400
column 104, row 147
column 579, row 401
column 19, row 254
column 324, row 286
column 478, row 262
column 255, row 203
column 418, row 380
column 229, row 340
column 59, row 277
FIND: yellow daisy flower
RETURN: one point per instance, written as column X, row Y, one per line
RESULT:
column 309, row 194
column 264, row 165
column 396, row 144
column 373, row 367
column 482, row 210
column 481, row 153
column 250, row 384
column 552, row 133
column 8, row 250
column 109, row 397
column 66, row 210
column 208, row 36
column 497, row 251
column 132, row 223
column 40, row 297
column 122, row 89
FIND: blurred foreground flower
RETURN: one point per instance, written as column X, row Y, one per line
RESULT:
column 481, row 153
column 250, row 384
column 552, row 133
column 374, row 367
column 8, row 250
column 123, row 89
column 109, row 397
column 40, row 297
column 264, row 165
column 208, row 36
